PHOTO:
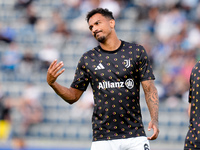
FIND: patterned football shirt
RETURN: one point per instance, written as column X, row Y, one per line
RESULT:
column 192, row 140
column 115, row 78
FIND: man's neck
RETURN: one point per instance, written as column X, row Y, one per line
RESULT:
column 111, row 44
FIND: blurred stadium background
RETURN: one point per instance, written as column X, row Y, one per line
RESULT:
column 35, row 32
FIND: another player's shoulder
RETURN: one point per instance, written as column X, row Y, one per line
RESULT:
column 196, row 68
column 198, row 64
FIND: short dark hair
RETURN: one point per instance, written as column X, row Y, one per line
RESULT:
column 105, row 12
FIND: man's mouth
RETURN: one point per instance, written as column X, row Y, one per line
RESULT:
column 95, row 34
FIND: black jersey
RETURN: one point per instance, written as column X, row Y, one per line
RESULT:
column 115, row 78
column 192, row 140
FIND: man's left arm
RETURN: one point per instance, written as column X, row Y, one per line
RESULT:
column 151, row 96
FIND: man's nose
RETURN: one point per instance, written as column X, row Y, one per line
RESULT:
column 94, row 29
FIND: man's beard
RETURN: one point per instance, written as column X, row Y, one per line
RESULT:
column 101, row 39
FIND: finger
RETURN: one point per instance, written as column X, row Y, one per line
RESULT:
column 152, row 137
column 57, row 67
column 60, row 72
column 155, row 134
column 53, row 63
column 150, row 126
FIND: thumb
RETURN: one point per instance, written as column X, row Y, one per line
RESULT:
column 150, row 126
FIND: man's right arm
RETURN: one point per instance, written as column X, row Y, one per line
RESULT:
column 70, row 95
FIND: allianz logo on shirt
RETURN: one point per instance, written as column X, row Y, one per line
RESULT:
column 129, row 83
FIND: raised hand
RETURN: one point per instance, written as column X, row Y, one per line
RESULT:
column 53, row 71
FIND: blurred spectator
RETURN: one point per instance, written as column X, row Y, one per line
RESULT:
column 11, row 58
column 28, row 65
column 47, row 55
column 7, row 34
column 87, row 5
column 4, row 38
column 31, row 15
column 21, row 4
column 70, row 9
column 176, row 74
column 5, row 119
column 169, row 23
column 152, row 15
column 4, row 109
column 29, row 111
column 196, row 12
column 29, row 108
column 194, row 36
column 188, row 7
column 112, row 5
column 59, row 26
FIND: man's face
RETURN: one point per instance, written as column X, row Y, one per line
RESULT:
column 100, row 27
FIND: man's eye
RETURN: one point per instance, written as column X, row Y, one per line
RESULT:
column 90, row 28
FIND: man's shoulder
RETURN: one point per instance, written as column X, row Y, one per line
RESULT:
column 196, row 67
column 198, row 63
column 91, row 51
column 131, row 44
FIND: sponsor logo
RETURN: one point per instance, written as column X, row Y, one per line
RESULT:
column 129, row 83
column 100, row 67
column 108, row 84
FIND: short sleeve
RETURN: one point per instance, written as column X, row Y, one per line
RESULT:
column 144, row 65
column 81, row 78
column 190, row 90
column 193, row 82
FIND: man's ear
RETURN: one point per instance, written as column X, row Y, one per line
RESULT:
column 112, row 23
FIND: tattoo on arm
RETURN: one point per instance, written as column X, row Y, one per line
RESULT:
column 151, row 96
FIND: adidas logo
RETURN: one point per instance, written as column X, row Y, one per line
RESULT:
column 100, row 67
